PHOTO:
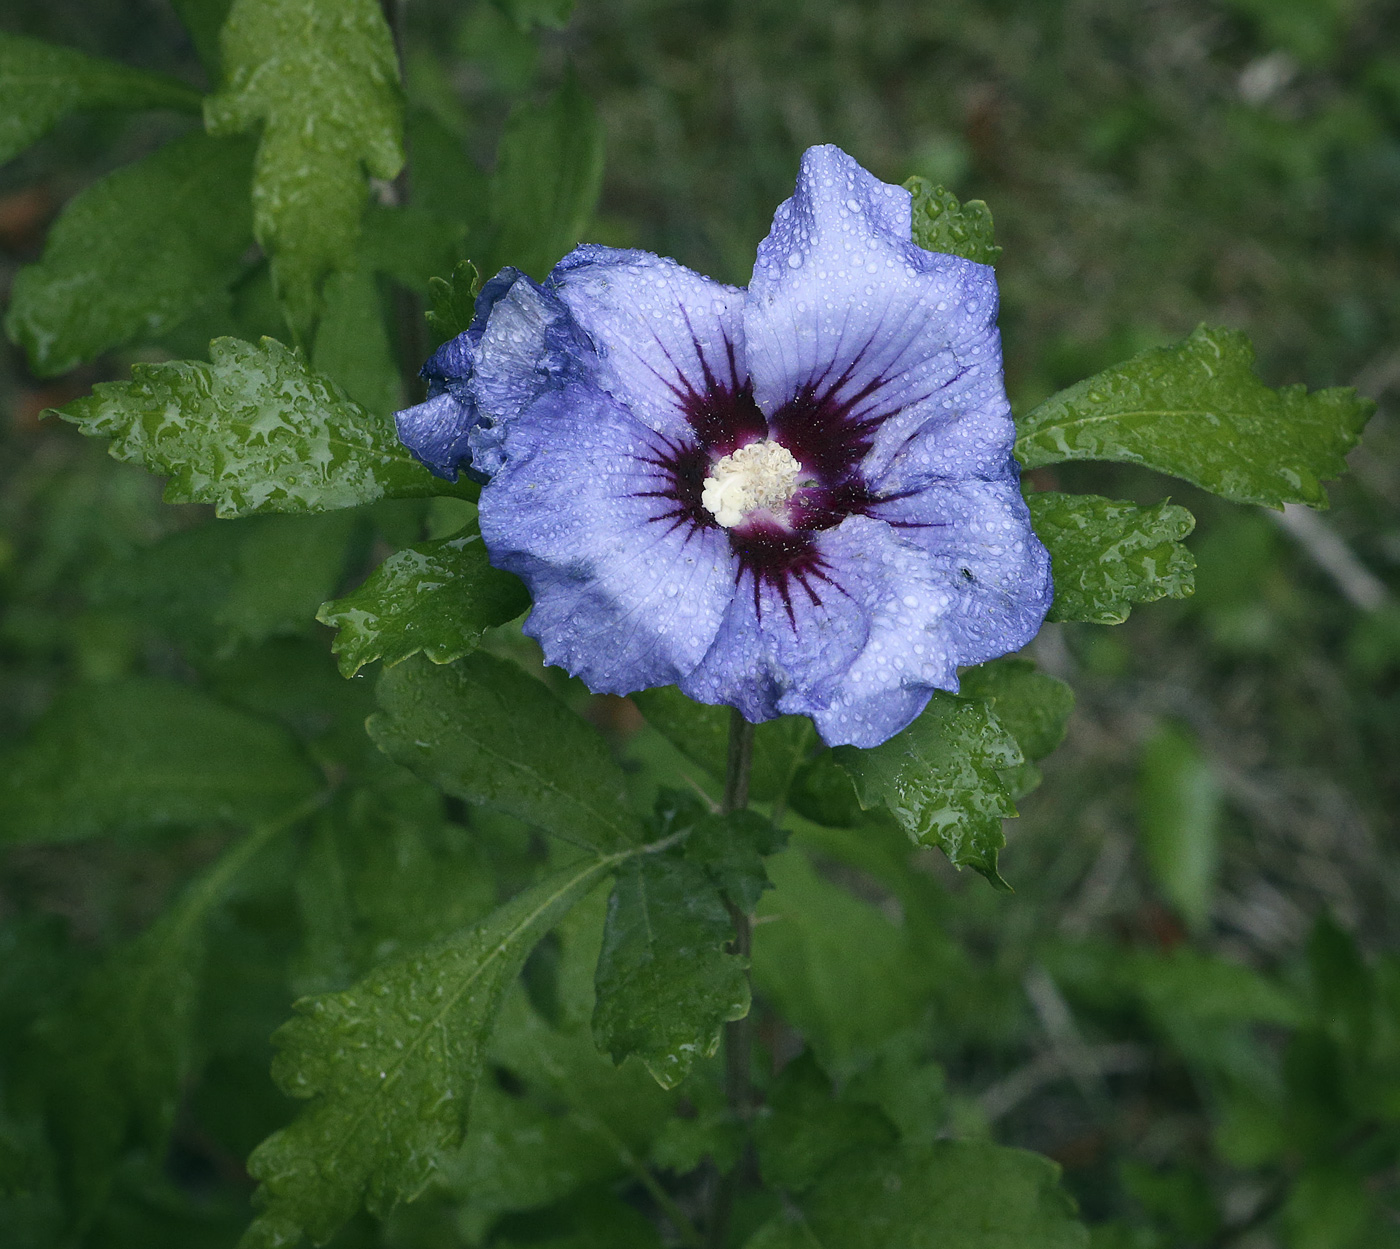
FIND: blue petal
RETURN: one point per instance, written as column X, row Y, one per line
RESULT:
column 436, row 432
column 522, row 342
column 624, row 597
column 843, row 301
column 665, row 334
column 895, row 620
column 859, row 654
column 528, row 344
column 784, row 652
column 984, row 554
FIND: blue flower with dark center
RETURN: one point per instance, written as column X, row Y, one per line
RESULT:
column 797, row 498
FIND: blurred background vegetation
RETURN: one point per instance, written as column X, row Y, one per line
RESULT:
column 1189, row 1000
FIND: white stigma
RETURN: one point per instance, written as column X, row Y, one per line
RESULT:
column 760, row 475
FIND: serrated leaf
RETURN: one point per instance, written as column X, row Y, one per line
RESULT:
column 731, row 848
column 437, row 598
column 232, row 583
column 701, row 732
column 666, row 987
column 321, row 78
column 374, row 881
column 1197, row 410
column 41, row 83
column 117, row 1054
column 141, row 753
column 1032, row 706
column 942, row 224
column 948, row 1195
column 940, row 780
column 390, row 1066
column 1106, row 555
column 484, row 731
column 253, row 431
column 136, row 253
column 549, row 170
column 570, row 1119
column 454, row 300
column 836, row 967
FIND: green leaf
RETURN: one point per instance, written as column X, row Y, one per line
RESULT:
column 484, row 731
column 253, row 431
column 227, row 584
column 438, row 598
column 352, row 343
column 836, row 967
column 390, row 1066
column 808, row 1129
column 549, row 170
column 41, row 84
column 570, row 1122
column 942, row 224
column 529, row 13
column 731, row 848
column 136, row 253
column 1179, row 818
column 322, row 79
column 411, row 244
column 1106, row 555
column 1196, row 410
column 375, row 881
column 822, row 792
column 204, row 19
column 116, row 1056
column 701, row 732
column 144, row 752
column 665, row 985
column 1032, row 706
column 454, row 300
column 948, row 1195
column 1184, row 985
column 569, row 1117
column 940, row 780
column 595, row 1219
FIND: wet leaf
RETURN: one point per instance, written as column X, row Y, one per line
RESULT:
column 136, row 253
column 1106, row 556
column 1197, row 410
column 665, row 985
column 321, row 79
column 253, row 431
column 437, row 598
column 942, row 224
column 389, row 1068
column 940, row 779
column 483, row 730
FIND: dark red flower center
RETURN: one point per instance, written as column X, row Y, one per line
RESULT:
column 826, row 434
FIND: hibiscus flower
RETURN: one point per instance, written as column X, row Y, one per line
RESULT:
column 797, row 498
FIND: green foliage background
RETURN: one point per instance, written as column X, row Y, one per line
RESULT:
column 1192, row 999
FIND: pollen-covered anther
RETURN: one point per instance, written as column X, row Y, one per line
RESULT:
column 762, row 475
